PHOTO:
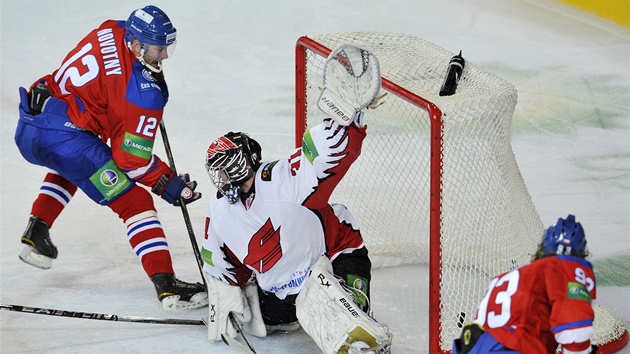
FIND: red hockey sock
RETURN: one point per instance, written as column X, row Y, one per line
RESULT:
column 54, row 194
column 144, row 231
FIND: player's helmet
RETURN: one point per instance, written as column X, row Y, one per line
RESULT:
column 150, row 25
column 230, row 161
column 565, row 237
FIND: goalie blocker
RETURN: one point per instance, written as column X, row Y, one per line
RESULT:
column 330, row 316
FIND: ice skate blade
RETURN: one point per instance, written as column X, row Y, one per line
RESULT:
column 30, row 256
column 173, row 303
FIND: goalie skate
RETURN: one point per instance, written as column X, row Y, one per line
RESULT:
column 330, row 316
column 352, row 81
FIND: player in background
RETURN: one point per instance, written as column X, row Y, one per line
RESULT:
column 547, row 302
column 93, row 123
column 277, row 254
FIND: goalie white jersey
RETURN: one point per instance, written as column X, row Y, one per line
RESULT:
column 283, row 230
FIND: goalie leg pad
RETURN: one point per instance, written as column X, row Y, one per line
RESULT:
column 329, row 315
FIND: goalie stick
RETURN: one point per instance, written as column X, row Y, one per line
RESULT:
column 231, row 342
column 99, row 316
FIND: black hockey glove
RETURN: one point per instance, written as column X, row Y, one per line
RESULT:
column 37, row 98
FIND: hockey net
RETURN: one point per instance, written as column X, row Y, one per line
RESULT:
column 437, row 181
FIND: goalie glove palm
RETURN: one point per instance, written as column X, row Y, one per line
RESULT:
column 352, row 81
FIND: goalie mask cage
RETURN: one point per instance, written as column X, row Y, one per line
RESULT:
column 437, row 181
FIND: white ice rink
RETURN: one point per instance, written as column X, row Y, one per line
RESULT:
column 234, row 70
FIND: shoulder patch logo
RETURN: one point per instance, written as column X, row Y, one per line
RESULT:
column 578, row 291
column 266, row 171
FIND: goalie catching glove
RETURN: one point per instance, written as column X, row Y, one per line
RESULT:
column 174, row 188
column 352, row 81
column 242, row 303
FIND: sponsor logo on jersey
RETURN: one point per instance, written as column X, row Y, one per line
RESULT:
column 137, row 146
column 207, row 256
column 296, row 281
column 150, row 81
column 358, row 287
column 578, row 291
column 266, row 171
column 308, row 147
column 147, row 76
column 110, row 180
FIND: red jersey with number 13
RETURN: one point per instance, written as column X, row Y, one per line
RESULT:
column 533, row 308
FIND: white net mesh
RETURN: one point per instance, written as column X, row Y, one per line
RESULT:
column 488, row 222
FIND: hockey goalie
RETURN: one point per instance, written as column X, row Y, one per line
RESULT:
column 277, row 253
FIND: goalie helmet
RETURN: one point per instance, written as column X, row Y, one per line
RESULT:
column 565, row 237
column 230, row 161
column 150, row 26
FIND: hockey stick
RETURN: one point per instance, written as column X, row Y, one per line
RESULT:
column 189, row 228
column 239, row 328
column 99, row 316
column 233, row 343
column 191, row 233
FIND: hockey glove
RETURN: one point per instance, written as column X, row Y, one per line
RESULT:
column 352, row 81
column 37, row 98
column 223, row 299
column 256, row 326
column 174, row 189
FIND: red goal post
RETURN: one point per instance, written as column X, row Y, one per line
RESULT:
column 303, row 45
column 437, row 182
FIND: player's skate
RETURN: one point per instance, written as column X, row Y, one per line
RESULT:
column 38, row 251
column 329, row 315
column 178, row 295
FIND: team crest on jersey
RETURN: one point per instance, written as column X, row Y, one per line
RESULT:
column 147, row 76
column 264, row 249
column 149, row 82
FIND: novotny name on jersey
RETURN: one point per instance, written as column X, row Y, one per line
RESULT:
column 109, row 52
